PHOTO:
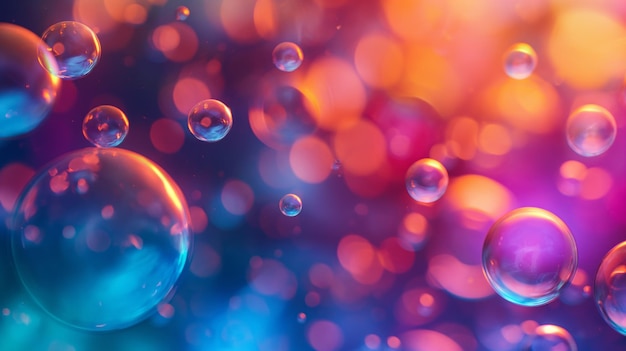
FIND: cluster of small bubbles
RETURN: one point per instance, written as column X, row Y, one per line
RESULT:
column 27, row 91
column 610, row 288
column 287, row 56
column 426, row 180
column 549, row 337
column 520, row 61
column 290, row 205
column 75, row 47
column 590, row 130
column 528, row 256
column 210, row 120
column 301, row 317
column 105, row 126
column 182, row 13
column 111, row 228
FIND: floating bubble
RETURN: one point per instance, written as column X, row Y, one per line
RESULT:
column 290, row 205
column 210, row 120
column 529, row 255
column 590, row 130
column 287, row 56
column 520, row 61
column 100, row 238
column 549, row 337
column 27, row 91
column 610, row 288
column 426, row 180
column 75, row 47
column 182, row 13
column 105, row 126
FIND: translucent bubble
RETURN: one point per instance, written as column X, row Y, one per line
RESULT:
column 27, row 91
column 290, row 205
column 287, row 56
column 182, row 13
column 210, row 120
column 610, row 288
column 105, row 126
column 590, row 130
column 75, row 47
column 100, row 237
column 426, row 180
column 529, row 255
column 520, row 61
column 549, row 337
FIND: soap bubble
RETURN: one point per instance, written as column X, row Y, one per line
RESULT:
column 27, row 91
column 549, row 337
column 610, row 288
column 210, row 120
column 290, row 205
column 75, row 47
column 287, row 56
column 520, row 61
column 100, row 237
column 590, row 130
column 105, row 126
column 529, row 254
column 182, row 13
column 426, row 180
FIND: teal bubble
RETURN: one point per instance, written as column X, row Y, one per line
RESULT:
column 610, row 288
column 105, row 126
column 27, row 90
column 549, row 337
column 290, row 205
column 100, row 237
column 210, row 120
column 287, row 56
column 529, row 255
column 75, row 47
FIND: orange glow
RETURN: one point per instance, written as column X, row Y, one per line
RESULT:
column 167, row 136
column 379, row 60
column 237, row 197
column 596, row 185
column 494, row 139
column 331, row 3
column 428, row 340
column 415, row 223
column 573, row 170
column 199, row 219
column 311, row 159
column 461, row 137
column 135, row 14
column 460, row 279
column 361, row 149
column 264, row 19
column 177, row 41
column 416, row 20
column 371, row 185
column 238, row 19
column 94, row 14
column 394, row 257
column 358, row 257
column 13, row 178
column 587, row 48
column 335, row 94
column 188, row 92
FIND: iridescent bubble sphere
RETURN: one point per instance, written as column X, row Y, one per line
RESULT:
column 210, row 120
column 105, row 126
column 549, row 337
column 610, row 288
column 287, row 56
column 290, row 205
column 182, row 13
column 590, row 130
column 100, row 237
column 520, row 61
column 426, row 180
column 27, row 90
column 529, row 255
column 75, row 47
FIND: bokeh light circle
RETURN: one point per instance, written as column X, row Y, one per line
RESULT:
column 27, row 91
column 529, row 254
column 105, row 126
column 610, row 288
column 100, row 237
column 75, row 47
column 590, row 130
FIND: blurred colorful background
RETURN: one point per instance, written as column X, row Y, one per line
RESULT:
column 383, row 83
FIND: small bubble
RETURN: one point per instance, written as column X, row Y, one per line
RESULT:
column 210, row 120
column 75, row 47
column 590, row 130
column 182, row 13
column 290, row 205
column 287, row 56
column 520, row 61
column 301, row 317
column 105, row 126
column 426, row 180
column 610, row 288
column 549, row 337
